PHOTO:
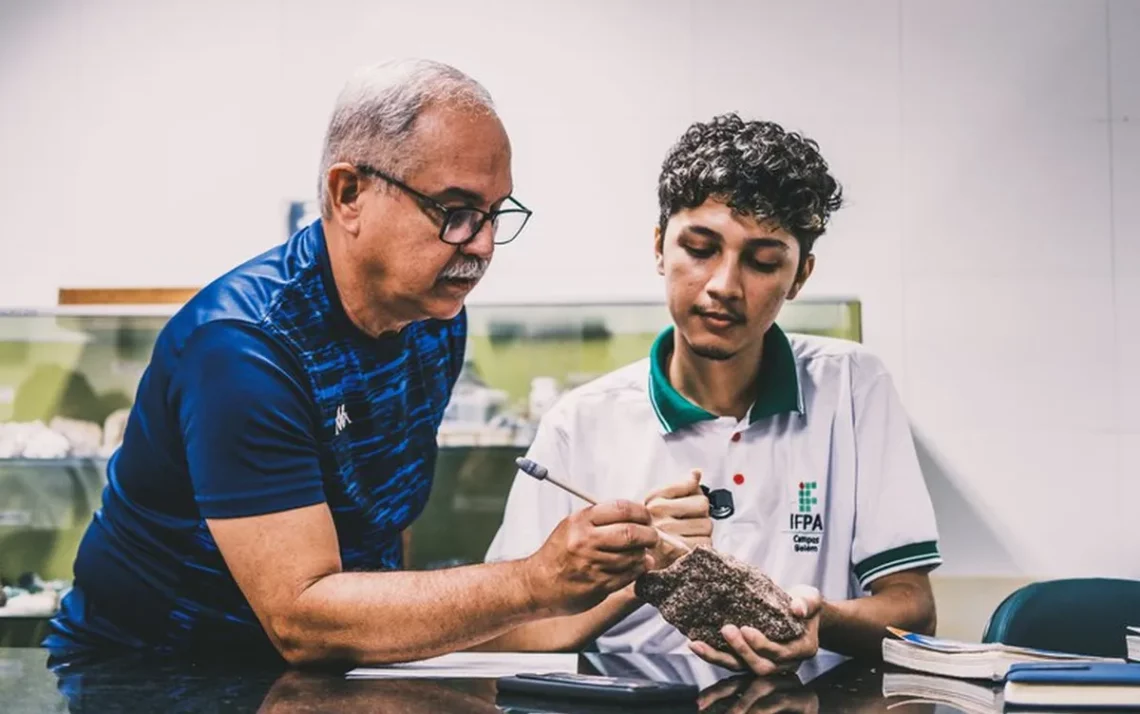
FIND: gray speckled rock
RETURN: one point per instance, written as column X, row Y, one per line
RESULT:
column 705, row 590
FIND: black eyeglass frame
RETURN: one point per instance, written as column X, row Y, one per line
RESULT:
column 449, row 212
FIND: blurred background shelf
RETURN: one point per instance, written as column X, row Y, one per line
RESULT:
column 67, row 462
column 78, row 367
column 20, row 631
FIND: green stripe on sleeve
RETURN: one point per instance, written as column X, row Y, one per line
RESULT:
column 894, row 560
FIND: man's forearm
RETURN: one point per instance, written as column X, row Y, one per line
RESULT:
column 569, row 633
column 856, row 627
column 404, row 615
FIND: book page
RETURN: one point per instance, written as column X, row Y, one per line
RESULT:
column 474, row 665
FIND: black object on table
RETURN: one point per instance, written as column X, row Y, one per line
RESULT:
column 29, row 682
column 597, row 688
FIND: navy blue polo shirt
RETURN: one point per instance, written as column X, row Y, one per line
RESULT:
column 261, row 396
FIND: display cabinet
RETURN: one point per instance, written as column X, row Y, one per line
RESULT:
column 68, row 377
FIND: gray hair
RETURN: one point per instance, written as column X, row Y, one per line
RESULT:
column 377, row 109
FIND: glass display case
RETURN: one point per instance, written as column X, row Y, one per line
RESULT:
column 68, row 377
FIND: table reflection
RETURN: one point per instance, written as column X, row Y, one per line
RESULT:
column 751, row 695
column 296, row 692
column 138, row 683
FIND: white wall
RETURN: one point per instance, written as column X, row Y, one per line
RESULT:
column 990, row 151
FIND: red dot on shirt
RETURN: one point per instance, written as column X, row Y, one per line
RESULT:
column 736, row 436
column 738, row 479
column 801, row 485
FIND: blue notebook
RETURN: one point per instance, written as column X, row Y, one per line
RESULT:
column 1073, row 685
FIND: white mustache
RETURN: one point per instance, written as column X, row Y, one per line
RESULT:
column 469, row 269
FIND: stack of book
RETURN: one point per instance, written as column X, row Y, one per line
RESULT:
column 964, row 660
column 971, row 696
column 990, row 677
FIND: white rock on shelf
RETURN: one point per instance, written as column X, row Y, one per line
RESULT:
column 31, row 604
column 83, row 437
column 31, row 440
column 62, row 438
column 14, row 437
column 114, row 427
column 46, row 444
column 9, row 448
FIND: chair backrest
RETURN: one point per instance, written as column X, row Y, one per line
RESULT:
column 1080, row 615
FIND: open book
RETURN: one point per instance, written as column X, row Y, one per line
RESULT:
column 901, row 688
column 965, row 660
column 468, row 665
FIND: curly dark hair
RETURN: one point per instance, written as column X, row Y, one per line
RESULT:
column 757, row 168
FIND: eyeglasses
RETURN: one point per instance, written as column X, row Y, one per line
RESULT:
column 460, row 224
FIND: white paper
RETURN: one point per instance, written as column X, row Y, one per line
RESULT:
column 482, row 665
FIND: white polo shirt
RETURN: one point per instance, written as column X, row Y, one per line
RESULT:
column 824, row 477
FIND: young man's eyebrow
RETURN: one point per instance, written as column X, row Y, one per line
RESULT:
column 703, row 231
column 753, row 242
column 766, row 242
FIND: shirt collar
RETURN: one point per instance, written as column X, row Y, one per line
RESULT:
column 777, row 385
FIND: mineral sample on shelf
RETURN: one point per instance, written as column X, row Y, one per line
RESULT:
column 31, row 440
column 61, row 438
column 84, row 437
column 31, row 596
column 704, row 590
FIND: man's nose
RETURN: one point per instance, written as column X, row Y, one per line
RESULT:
column 482, row 244
column 725, row 282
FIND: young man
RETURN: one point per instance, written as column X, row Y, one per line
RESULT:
column 801, row 441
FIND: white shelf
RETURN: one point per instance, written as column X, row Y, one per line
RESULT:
column 66, row 462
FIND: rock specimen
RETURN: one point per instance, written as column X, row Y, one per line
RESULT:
column 704, row 590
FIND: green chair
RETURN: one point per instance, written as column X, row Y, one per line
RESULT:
column 1086, row 616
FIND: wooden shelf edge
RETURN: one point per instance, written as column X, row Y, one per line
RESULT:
column 125, row 296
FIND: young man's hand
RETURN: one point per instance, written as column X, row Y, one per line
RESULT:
column 756, row 653
column 680, row 509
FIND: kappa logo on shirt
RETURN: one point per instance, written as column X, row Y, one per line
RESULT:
column 805, row 522
column 342, row 419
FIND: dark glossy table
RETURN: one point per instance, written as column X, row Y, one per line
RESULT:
column 146, row 684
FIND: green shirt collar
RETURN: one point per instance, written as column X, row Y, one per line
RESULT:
column 777, row 386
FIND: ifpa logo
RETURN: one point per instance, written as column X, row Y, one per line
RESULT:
column 805, row 516
column 808, row 500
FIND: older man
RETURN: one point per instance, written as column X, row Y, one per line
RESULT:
column 283, row 435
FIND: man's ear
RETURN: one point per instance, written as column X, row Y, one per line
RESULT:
column 343, row 187
column 659, row 249
column 805, row 273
